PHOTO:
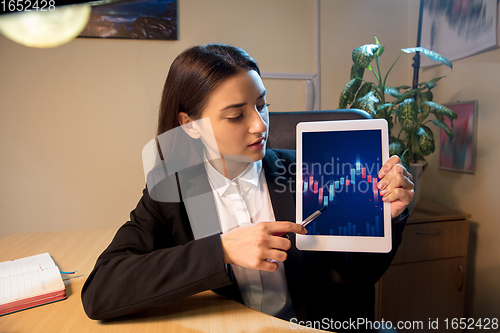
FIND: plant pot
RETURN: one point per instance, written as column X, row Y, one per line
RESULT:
column 416, row 170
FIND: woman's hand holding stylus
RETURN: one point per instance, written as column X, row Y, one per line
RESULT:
column 251, row 246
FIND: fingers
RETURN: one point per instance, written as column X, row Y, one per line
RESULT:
column 281, row 228
column 276, row 255
column 280, row 243
column 393, row 175
column 399, row 188
column 395, row 181
column 400, row 194
column 393, row 165
column 257, row 246
column 270, row 264
column 395, row 185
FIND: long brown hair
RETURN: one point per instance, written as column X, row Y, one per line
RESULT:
column 193, row 75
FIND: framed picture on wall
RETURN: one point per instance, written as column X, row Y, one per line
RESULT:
column 146, row 19
column 457, row 29
column 459, row 154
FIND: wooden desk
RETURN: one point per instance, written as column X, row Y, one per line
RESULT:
column 78, row 250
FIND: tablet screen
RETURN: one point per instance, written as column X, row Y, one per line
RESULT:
column 340, row 171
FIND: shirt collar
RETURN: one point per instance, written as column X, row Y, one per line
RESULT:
column 250, row 175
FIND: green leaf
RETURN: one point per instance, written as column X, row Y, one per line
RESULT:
column 380, row 51
column 407, row 94
column 425, row 108
column 408, row 113
column 439, row 116
column 427, row 96
column 445, row 127
column 428, row 131
column 395, row 148
column 403, row 87
column 424, row 140
column 436, row 79
column 367, row 103
column 429, row 85
column 405, row 159
column 394, row 92
column 365, row 88
column 376, row 40
column 347, row 95
column 363, row 55
column 443, row 110
column 383, row 106
column 430, row 54
column 357, row 70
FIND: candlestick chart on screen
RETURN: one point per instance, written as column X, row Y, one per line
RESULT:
column 340, row 171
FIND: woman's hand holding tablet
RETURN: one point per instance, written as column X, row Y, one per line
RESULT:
column 396, row 185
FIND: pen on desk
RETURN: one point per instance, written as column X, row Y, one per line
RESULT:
column 313, row 216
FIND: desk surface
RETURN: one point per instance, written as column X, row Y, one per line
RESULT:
column 78, row 250
column 430, row 212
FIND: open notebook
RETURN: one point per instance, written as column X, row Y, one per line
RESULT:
column 29, row 282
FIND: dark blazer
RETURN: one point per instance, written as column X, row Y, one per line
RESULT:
column 155, row 257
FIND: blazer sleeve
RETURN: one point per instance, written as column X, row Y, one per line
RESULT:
column 152, row 260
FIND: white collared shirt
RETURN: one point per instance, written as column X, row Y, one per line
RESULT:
column 243, row 201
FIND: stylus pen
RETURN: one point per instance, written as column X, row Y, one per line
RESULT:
column 313, row 216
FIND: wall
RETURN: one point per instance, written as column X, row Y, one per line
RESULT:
column 74, row 119
column 346, row 25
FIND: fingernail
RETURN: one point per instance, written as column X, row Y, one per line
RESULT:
column 382, row 185
column 383, row 192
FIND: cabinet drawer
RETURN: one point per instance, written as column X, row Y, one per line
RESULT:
column 437, row 240
column 423, row 291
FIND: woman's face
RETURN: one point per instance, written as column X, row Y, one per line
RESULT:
column 239, row 118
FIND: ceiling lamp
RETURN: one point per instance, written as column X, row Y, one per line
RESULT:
column 46, row 28
column 50, row 26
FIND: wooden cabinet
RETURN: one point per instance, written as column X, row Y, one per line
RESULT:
column 426, row 280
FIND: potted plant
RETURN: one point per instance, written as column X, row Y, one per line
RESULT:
column 408, row 107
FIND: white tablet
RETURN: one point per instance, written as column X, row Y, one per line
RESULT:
column 337, row 174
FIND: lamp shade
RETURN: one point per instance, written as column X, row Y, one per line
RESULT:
column 45, row 29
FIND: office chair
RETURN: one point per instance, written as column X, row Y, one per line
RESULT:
column 282, row 125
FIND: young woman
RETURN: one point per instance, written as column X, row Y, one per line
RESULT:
column 232, row 184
